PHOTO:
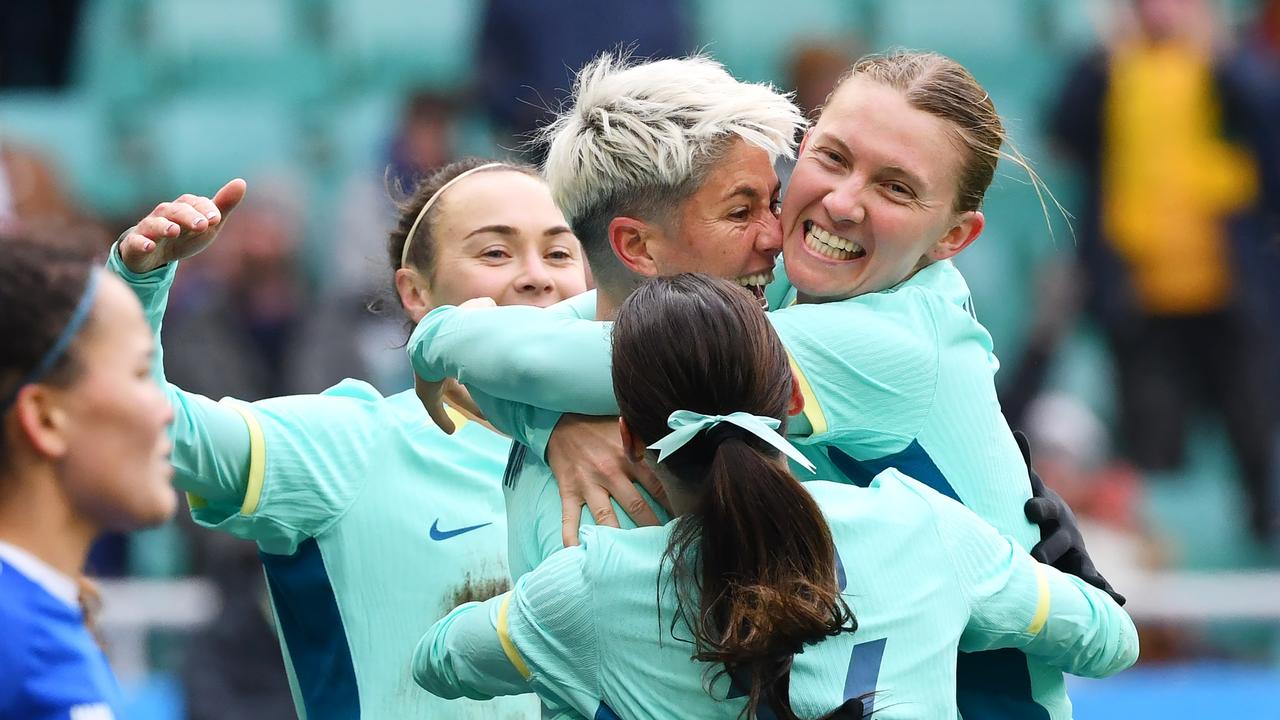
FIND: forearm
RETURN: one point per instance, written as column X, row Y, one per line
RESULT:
column 1056, row 618
column 527, row 425
column 1085, row 633
column 462, row 656
column 522, row 354
column 211, row 443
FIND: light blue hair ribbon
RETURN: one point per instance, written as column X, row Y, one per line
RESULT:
column 686, row 424
column 63, row 341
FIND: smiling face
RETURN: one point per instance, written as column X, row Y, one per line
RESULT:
column 729, row 226
column 499, row 235
column 873, row 195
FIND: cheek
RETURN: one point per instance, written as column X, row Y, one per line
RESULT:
column 474, row 281
column 570, row 281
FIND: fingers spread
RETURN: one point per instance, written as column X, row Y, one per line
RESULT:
column 634, row 504
column 570, row 519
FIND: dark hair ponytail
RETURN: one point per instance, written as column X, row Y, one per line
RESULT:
column 753, row 563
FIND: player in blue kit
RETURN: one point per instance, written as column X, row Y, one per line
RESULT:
column 371, row 521
column 83, row 450
column 896, row 369
column 804, row 599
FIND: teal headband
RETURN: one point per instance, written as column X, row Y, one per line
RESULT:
column 686, row 424
column 62, row 342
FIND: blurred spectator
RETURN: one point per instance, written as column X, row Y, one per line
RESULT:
column 530, row 49
column 36, row 42
column 1166, row 226
column 425, row 139
column 813, row 68
column 32, row 196
column 356, row 288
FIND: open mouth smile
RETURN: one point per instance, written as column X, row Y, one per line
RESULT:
column 831, row 246
column 755, row 284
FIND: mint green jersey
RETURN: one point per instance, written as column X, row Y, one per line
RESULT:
column 589, row 630
column 530, row 492
column 902, row 378
column 371, row 522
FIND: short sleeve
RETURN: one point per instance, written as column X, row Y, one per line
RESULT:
column 309, row 454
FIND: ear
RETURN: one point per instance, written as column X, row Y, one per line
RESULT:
column 797, row 398
column 41, row 420
column 414, row 292
column 631, row 444
column 630, row 240
column 967, row 229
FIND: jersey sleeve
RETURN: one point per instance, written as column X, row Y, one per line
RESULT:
column 549, row 358
column 528, row 425
column 309, row 456
column 211, row 443
column 551, row 626
column 539, row 636
column 1017, row 602
column 868, row 376
column 275, row 471
column 463, row 654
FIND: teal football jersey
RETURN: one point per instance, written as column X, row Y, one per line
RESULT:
column 902, row 378
column 590, row 630
column 372, row 524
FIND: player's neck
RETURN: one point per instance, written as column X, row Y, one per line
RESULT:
column 608, row 301
column 36, row 516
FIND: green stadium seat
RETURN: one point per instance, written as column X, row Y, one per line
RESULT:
column 197, row 143
column 968, row 31
column 396, row 44
column 266, row 47
column 107, row 61
column 754, row 37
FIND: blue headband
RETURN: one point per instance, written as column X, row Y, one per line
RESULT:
column 686, row 424
column 63, row 341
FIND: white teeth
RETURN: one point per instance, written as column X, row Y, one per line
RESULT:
column 832, row 246
column 758, row 279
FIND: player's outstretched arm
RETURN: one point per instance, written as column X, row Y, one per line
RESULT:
column 539, row 637
column 535, row 356
column 1017, row 602
column 211, row 442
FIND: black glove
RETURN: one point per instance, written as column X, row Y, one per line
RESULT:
column 1061, row 544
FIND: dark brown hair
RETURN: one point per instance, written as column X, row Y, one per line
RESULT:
column 422, row 254
column 41, row 281
column 753, row 563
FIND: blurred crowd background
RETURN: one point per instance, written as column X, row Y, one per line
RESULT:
column 1137, row 340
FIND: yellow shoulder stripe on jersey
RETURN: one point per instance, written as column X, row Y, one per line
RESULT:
column 812, row 410
column 1042, row 603
column 457, row 417
column 257, row 460
column 195, row 502
column 509, row 647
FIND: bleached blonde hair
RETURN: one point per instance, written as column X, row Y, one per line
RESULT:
column 638, row 139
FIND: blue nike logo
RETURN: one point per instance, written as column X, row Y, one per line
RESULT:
column 438, row 534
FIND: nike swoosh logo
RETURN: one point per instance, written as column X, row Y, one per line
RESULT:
column 438, row 534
